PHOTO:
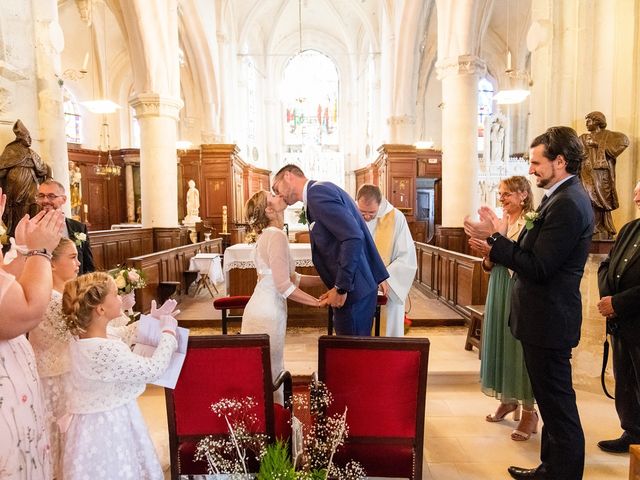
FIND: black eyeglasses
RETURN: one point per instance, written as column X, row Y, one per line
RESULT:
column 49, row 196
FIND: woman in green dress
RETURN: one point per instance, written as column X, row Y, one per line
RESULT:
column 502, row 370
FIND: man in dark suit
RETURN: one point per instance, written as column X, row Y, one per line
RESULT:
column 546, row 309
column 619, row 283
column 51, row 196
column 342, row 249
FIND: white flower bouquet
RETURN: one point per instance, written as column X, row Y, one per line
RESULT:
column 128, row 279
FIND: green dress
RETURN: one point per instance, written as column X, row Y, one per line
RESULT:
column 503, row 373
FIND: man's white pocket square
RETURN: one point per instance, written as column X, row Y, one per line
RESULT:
column 311, row 225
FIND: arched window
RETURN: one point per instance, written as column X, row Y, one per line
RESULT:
column 310, row 93
column 72, row 118
column 485, row 108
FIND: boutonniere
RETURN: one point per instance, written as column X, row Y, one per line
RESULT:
column 80, row 238
column 530, row 219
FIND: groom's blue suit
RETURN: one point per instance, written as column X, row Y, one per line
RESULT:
column 344, row 255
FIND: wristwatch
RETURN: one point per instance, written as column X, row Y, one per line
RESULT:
column 492, row 238
column 340, row 291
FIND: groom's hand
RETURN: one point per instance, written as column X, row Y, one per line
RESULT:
column 335, row 299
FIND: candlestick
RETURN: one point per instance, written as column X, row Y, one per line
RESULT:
column 224, row 219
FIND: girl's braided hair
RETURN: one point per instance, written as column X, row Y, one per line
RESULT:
column 81, row 297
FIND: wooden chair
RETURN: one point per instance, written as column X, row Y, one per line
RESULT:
column 382, row 300
column 230, row 303
column 383, row 382
column 216, row 367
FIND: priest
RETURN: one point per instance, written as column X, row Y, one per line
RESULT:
column 392, row 237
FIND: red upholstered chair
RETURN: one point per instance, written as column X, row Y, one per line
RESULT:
column 228, row 303
column 216, row 367
column 382, row 300
column 383, row 382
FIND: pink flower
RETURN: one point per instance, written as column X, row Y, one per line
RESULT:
column 133, row 276
column 24, row 398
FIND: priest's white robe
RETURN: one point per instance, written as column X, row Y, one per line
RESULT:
column 402, row 268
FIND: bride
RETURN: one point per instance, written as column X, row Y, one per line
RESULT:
column 266, row 311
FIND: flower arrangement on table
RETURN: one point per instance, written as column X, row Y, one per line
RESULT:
column 302, row 217
column 313, row 456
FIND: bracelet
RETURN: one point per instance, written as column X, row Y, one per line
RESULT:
column 41, row 253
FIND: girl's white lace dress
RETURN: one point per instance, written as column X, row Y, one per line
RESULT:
column 107, row 437
column 266, row 311
column 24, row 445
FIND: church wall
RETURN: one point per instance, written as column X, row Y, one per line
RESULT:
column 18, row 76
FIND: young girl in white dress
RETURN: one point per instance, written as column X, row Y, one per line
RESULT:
column 107, row 437
column 50, row 342
column 266, row 311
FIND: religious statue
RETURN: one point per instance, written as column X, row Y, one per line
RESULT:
column 496, row 136
column 193, row 204
column 75, row 181
column 598, row 172
column 21, row 171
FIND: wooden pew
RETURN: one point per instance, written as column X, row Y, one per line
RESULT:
column 166, row 268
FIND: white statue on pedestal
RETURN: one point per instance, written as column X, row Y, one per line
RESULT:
column 193, row 205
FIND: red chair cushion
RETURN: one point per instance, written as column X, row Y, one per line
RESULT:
column 349, row 374
column 239, row 301
column 379, row 460
column 282, row 420
column 231, row 373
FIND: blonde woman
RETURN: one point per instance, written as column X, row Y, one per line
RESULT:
column 50, row 342
column 503, row 372
column 266, row 311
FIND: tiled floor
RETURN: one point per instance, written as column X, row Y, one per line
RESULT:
column 459, row 443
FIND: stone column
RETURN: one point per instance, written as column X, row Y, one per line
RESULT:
column 157, row 116
column 51, row 135
column 459, row 132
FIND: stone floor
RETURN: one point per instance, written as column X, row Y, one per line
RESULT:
column 459, row 443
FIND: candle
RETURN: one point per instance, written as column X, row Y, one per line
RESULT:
column 224, row 219
column 86, row 208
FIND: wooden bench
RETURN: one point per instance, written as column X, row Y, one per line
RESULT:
column 474, row 334
column 165, row 271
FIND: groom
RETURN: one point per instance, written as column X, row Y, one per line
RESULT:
column 342, row 249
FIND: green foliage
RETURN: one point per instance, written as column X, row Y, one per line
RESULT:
column 302, row 218
column 276, row 463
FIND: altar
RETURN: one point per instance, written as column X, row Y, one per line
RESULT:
column 241, row 277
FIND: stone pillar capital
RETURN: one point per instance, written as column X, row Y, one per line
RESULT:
column 155, row 105
column 460, row 65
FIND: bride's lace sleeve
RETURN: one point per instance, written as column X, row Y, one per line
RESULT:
column 280, row 263
column 112, row 361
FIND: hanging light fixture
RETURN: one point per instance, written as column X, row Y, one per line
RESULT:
column 518, row 81
column 100, row 105
column 109, row 169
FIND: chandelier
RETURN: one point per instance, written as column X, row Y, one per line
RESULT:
column 109, row 169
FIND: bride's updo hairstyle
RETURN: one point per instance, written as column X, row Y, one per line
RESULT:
column 256, row 212
column 80, row 298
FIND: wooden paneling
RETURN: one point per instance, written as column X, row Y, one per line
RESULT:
column 104, row 196
column 456, row 279
column 113, row 247
column 396, row 167
column 167, row 266
column 452, row 238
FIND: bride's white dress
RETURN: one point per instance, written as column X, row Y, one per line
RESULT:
column 266, row 311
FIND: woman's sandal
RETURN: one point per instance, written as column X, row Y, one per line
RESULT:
column 503, row 410
column 527, row 426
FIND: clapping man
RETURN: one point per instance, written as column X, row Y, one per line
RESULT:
column 51, row 196
column 546, row 310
